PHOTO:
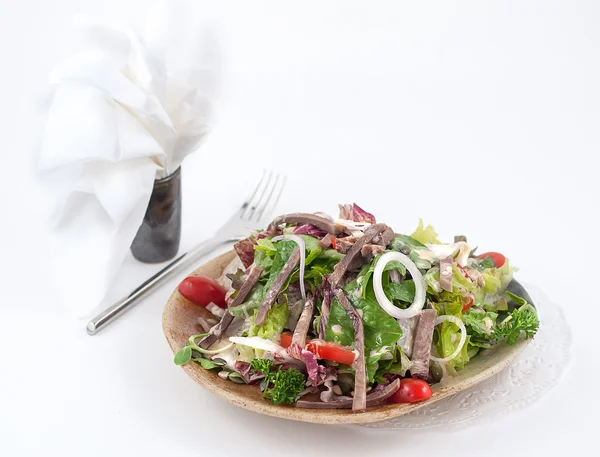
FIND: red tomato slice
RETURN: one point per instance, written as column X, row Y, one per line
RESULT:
column 467, row 306
column 411, row 390
column 285, row 340
column 498, row 258
column 331, row 351
column 333, row 243
column 323, row 350
column 202, row 291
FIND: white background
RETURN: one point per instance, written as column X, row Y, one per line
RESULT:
column 480, row 117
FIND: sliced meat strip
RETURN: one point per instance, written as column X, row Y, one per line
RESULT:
column 299, row 336
column 276, row 287
column 343, row 245
column 325, row 242
column 248, row 285
column 369, row 251
column 312, row 219
column 446, row 273
column 360, row 370
column 385, row 238
column 325, row 308
column 245, row 251
column 421, row 352
column 342, row 267
column 373, row 399
column 395, row 276
column 476, row 276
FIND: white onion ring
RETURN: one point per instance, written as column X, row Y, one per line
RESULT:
column 463, row 336
column 257, row 342
column 300, row 242
column 419, row 301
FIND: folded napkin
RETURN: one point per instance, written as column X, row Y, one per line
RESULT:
column 126, row 109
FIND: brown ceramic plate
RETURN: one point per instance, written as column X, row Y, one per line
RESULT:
column 179, row 322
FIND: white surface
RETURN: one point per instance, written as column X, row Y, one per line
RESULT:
column 479, row 117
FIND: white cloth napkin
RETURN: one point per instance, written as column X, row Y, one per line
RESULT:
column 126, row 109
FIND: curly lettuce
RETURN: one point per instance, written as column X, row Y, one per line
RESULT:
column 425, row 235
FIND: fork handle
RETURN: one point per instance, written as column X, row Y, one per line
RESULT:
column 114, row 311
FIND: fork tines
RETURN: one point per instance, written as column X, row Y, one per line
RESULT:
column 264, row 197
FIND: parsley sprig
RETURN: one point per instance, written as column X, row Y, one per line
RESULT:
column 281, row 386
column 523, row 319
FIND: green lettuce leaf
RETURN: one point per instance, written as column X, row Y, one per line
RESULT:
column 448, row 338
column 401, row 240
column 264, row 253
column 382, row 331
column 251, row 304
column 404, row 292
column 425, row 234
column 366, row 273
column 399, row 364
column 274, row 322
column 480, row 324
column 491, row 297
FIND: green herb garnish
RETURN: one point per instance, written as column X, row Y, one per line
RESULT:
column 523, row 319
column 281, row 386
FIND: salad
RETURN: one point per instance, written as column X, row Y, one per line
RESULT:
column 345, row 313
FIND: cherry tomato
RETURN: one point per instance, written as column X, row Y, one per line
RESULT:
column 331, row 351
column 498, row 258
column 202, row 291
column 411, row 390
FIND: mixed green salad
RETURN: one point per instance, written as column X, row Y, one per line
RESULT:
column 343, row 312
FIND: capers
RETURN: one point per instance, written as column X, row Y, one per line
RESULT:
column 219, row 362
column 236, row 377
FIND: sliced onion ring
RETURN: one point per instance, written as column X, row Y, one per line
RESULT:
column 463, row 336
column 256, row 342
column 300, row 242
column 383, row 301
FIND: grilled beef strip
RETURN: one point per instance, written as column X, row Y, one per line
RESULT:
column 359, row 402
column 276, row 287
column 245, row 251
column 299, row 336
column 373, row 399
column 325, row 242
column 385, row 237
column 342, row 267
column 446, row 273
column 312, row 219
column 248, row 285
column 422, row 346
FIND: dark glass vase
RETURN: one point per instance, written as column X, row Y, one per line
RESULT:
column 157, row 239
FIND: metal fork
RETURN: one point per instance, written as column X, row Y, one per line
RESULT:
column 254, row 213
